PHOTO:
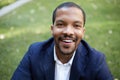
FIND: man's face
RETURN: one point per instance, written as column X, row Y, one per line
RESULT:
column 68, row 30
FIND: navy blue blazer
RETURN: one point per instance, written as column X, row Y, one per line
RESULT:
column 38, row 63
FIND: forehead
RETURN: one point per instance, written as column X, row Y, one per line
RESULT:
column 70, row 13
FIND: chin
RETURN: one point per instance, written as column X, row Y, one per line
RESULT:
column 67, row 52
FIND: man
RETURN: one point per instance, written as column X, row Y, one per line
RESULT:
column 65, row 56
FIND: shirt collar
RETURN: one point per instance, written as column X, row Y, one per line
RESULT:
column 59, row 62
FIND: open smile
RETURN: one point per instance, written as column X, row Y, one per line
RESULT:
column 67, row 41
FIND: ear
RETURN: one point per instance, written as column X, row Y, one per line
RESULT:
column 52, row 29
column 83, row 32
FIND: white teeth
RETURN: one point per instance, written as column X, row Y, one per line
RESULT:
column 68, row 40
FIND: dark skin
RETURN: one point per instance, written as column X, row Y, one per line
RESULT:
column 68, row 30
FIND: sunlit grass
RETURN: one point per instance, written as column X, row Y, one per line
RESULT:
column 5, row 2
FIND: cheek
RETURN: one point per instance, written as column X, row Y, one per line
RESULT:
column 80, row 34
column 56, row 32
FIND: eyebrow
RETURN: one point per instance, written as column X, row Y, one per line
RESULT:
column 78, row 22
column 60, row 21
column 74, row 22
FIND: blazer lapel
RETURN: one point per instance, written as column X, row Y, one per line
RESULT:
column 49, row 66
column 79, row 63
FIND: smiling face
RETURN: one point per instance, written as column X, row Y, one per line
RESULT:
column 67, row 30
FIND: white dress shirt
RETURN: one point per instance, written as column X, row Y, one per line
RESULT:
column 62, row 71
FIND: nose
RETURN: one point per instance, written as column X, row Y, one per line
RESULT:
column 68, row 30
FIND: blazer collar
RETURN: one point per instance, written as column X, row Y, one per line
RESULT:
column 79, row 63
column 49, row 63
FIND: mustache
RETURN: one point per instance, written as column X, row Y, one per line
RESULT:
column 70, row 37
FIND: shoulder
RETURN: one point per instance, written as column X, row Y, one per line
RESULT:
column 94, row 56
column 41, row 45
column 90, row 51
column 97, row 57
column 39, row 48
column 39, row 51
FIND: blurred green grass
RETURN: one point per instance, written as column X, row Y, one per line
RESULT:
column 5, row 2
column 31, row 23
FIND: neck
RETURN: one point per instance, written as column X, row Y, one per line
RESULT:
column 64, row 58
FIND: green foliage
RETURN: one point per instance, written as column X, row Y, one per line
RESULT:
column 31, row 23
column 5, row 2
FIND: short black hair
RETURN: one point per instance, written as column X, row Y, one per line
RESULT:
column 68, row 4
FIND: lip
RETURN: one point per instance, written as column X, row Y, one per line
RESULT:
column 67, row 42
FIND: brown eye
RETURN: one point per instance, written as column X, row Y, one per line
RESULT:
column 77, row 26
column 60, row 25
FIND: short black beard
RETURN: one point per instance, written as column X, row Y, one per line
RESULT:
column 66, row 54
column 65, row 36
column 63, row 53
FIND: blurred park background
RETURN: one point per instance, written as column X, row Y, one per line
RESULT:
column 31, row 23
